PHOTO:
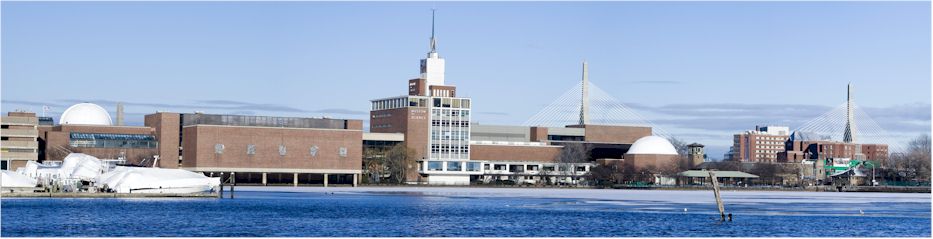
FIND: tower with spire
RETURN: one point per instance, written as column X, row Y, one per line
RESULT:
column 436, row 123
column 432, row 67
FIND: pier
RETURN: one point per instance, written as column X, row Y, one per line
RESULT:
column 106, row 195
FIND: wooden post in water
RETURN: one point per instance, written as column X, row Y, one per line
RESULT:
column 722, row 210
column 232, row 183
column 221, row 185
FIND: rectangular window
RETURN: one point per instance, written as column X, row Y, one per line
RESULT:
column 473, row 166
column 453, row 166
column 435, row 165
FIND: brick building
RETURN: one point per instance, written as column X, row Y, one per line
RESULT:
column 760, row 145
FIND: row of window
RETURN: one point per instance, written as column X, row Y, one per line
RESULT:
column 454, row 166
column 93, row 136
column 450, row 113
column 390, row 103
column 457, row 123
column 381, row 126
column 451, row 103
column 768, row 151
column 770, row 138
column 384, row 115
column 103, row 143
column 283, row 150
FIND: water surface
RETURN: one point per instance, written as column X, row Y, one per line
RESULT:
column 267, row 212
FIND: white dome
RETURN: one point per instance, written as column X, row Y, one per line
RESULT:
column 85, row 113
column 652, row 145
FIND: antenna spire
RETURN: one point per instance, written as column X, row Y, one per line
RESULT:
column 433, row 41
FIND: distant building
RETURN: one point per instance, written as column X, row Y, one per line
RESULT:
column 695, row 154
column 261, row 149
column 87, row 128
column 19, row 143
column 798, row 150
column 760, row 145
column 451, row 149
column 811, row 146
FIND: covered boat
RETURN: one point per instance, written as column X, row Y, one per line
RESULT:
column 156, row 180
column 12, row 180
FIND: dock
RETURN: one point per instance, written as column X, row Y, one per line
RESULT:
column 105, row 195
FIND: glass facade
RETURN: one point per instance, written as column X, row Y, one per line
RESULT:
column 449, row 132
column 262, row 121
column 99, row 140
column 400, row 102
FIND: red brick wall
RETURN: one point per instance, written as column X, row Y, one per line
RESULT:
column 200, row 140
column 60, row 136
column 514, row 153
column 166, row 126
column 613, row 134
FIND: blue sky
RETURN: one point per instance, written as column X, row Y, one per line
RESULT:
column 701, row 71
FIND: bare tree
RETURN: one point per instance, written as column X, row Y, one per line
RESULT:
column 60, row 152
column 374, row 162
column 571, row 155
column 682, row 153
column 398, row 160
column 914, row 163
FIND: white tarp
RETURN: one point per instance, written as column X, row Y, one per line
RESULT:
column 81, row 166
column 74, row 166
column 12, row 179
column 156, row 180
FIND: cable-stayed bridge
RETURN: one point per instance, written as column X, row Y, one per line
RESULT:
column 586, row 103
column 849, row 123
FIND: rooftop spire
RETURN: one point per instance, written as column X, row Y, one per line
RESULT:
column 433, row 41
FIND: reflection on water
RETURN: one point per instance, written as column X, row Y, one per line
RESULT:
column 415, row 214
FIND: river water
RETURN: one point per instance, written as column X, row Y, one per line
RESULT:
column 472, row 212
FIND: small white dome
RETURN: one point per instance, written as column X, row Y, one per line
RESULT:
column 87, row 114
column 652, row 145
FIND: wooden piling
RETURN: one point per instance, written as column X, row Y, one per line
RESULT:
column 722, row 209
column 232, row 183
column 221, row 185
